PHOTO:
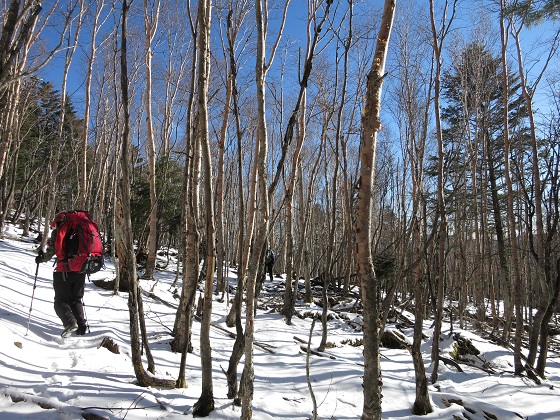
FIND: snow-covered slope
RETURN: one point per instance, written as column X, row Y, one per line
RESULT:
column 43, row 376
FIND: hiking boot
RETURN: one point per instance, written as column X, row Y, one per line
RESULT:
column 69, row 330
column 81, row 330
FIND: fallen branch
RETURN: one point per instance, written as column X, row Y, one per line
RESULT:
column 316, row 353
column 451, row 362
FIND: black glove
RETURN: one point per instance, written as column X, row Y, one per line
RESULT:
column 39, row 257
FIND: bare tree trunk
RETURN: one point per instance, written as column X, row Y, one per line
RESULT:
column 234, row 316
column 442, row 238
column 190, row 237
column 144, row 334
column 190, row 244
column 329, row 275
column 362, row 227
column 302, row 254
column 422, row 404
column 261, row 145
column 150, row 27
column 304, row 216
column 117, row 285
column 205, row 403
column 10, row 122
column 414, row 111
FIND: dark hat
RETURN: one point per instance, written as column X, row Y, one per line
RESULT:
column 59, row 218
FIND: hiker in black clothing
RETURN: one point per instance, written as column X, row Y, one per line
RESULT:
column 269, row 263
column 68, row 287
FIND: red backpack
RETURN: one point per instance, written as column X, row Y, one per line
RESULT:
column 78, row 244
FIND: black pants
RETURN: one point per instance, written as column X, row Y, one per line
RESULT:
column 268, row 269
column 68, row 294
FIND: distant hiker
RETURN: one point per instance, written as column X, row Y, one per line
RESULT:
column 269, row 263
column 77, row 245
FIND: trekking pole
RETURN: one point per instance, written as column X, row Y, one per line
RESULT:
column 85, row 315
column 84, row 309
column 32, row 297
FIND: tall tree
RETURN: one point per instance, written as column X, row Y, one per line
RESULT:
column 205, row 403
column 237, row 11
column 362, row 226
column 438, row 37
column 412, row 100
column 189, row 216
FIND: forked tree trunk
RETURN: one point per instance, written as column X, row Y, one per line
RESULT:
column 125, row 241
column 234, row 316
column 362, row 227
column 261, row 145
column 416, row 126
column 329, row 275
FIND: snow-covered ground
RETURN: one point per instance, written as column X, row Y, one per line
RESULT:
column 43, row 376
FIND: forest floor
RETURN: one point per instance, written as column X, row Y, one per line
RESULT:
column 43, row 376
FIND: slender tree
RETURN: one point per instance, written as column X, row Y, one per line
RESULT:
column 189, row 217
column 413, row 109
column 151, row 19
column 205, row 403
column 512, row 233
column 234, row 317
column 259, row 240
column 125, row 241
